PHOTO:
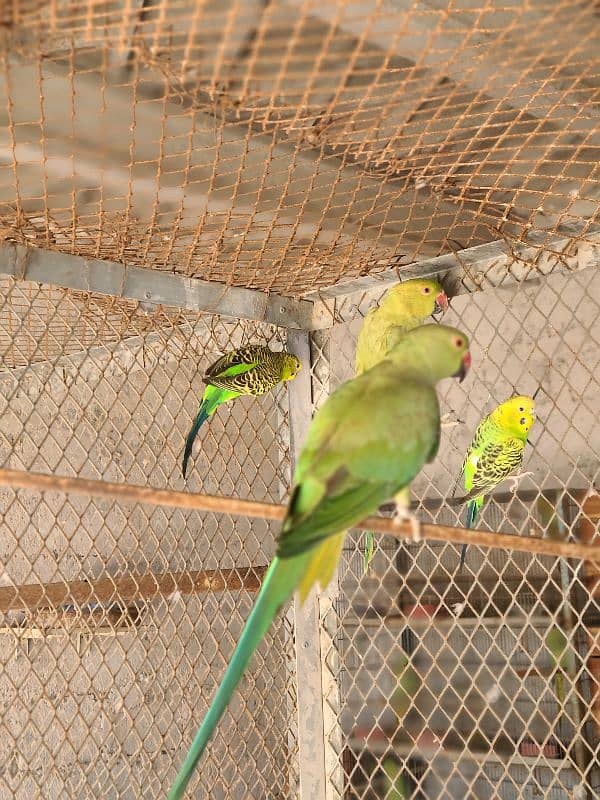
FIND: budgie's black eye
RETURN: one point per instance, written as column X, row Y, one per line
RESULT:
column 426, row 290
column 522, row 420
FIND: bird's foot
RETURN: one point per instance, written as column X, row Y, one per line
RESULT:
column 402, row 515
column 449, row 420
column 515, row 480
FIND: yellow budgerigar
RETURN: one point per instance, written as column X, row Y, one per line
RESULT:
column 495, row 452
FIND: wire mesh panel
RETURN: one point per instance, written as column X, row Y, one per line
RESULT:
column 481, row 682
column 304, row 148
column 118, row 618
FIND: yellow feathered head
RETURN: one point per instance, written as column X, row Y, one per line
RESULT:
column 290, row 367
column 418, row 298
column 516, row 415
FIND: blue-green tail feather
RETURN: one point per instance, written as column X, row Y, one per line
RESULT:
column 201, row 417
column 472, row 512
column 213, row 397
column 279, row 584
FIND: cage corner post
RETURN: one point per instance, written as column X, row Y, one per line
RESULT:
column 311, row 734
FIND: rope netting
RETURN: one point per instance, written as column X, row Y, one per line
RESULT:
column 286, row 144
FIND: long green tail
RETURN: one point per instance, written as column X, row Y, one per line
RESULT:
column 473, row 507
column 279, row 584
column 213, row 397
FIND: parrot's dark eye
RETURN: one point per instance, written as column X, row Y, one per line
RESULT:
column 426, row 290
column 522, row 420
column 458, row 342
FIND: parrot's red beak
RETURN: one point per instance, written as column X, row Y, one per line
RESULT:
column 465, row 366
column 441, row 303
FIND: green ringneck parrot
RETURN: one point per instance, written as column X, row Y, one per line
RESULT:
column 407, row 687
column 403, row 308
column 495, row 452
column 253, row 370
column 368, row 441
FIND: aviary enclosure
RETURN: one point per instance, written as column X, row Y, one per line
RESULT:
column 178, row 178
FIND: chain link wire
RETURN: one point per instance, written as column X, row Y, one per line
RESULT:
column 482, row 682
column 100, row 698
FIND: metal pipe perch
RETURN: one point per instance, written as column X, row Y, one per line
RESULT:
column 130, row 588
column 16, row 479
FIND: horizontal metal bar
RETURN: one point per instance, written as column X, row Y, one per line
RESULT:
column 129, row 589
column 152, row 286
column 397, row 622
column 484, row 267
column 125, row 492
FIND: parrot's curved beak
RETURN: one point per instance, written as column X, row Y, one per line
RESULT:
column 465, row 366
column 441, row 303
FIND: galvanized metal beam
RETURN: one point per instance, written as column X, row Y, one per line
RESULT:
column 152, row 286
column 484, row 267
column 480, row 268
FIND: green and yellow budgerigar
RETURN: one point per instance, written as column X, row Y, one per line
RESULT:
column 563, row 657
column 495, row 452
column 252, row 370
column 397, row 783
column 367, row 442
column 403, row 308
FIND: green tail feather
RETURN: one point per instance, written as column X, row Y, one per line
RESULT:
column 368, row 550
column 473, row 507
column 279, row 584
column 213, row 397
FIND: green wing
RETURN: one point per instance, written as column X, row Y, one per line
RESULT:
column 227, row 371
column 495, row 462
column 368, row 442
column 241, row 360
column 332, row 515
column 236, row 369
column 394, row 334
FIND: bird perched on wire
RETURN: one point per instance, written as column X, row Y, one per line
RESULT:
column 250, row 370
column 368, row 441
column 403, row 307
column 495, row 452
